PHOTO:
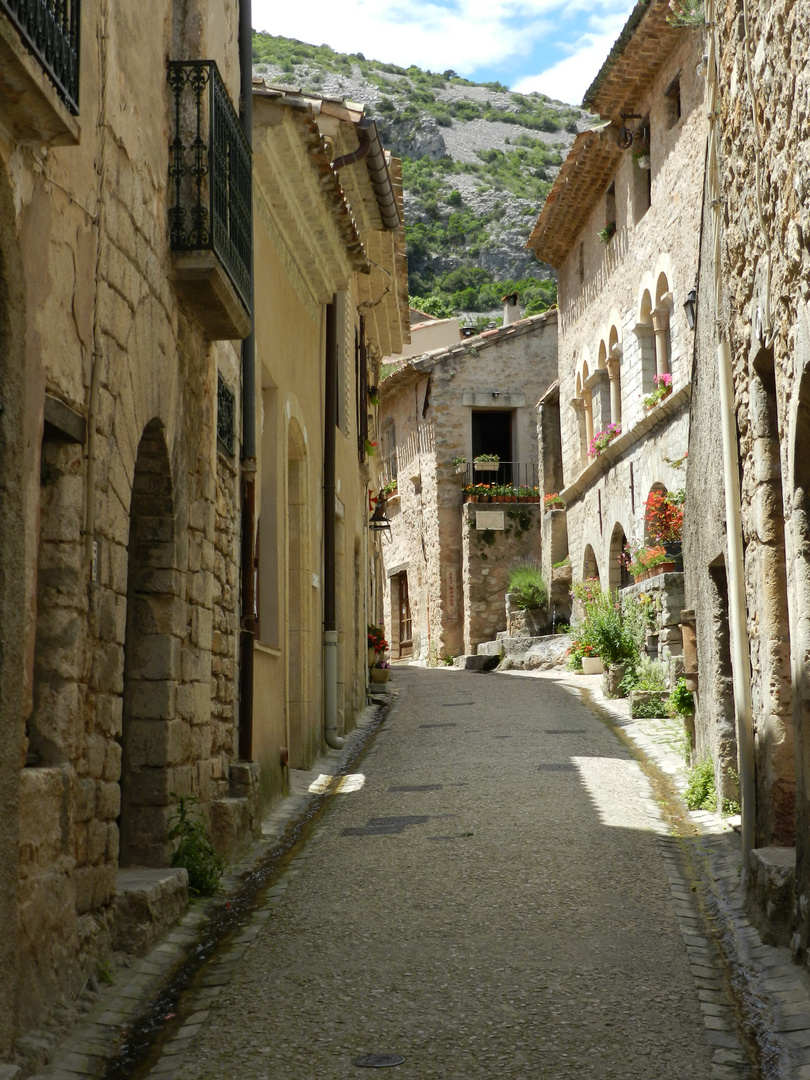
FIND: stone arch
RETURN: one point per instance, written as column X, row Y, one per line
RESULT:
column 590, row 567
column 298, row 607
column 661, row 321
column 155, row 743
column 644, row 334
column 618, row 575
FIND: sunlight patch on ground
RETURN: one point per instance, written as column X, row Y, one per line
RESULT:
column 337, row 785
column 618, row 790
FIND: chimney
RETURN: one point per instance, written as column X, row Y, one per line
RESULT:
column 511, row 308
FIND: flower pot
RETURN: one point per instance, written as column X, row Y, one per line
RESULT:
column 592, row 665
column 643, row 161
column 460, row 468
column 380, row 674
column 612, row 678
column 486, row 466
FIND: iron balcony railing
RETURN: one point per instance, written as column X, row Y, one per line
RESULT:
column 514, row 480
column 210, row 173
column 50, row 32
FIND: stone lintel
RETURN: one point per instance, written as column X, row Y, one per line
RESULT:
column 492, row 399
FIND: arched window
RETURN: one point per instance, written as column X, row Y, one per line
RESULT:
column 661, row 329
column 614, row 370
column 646, row 342
column 590, row 567
column 618, row 575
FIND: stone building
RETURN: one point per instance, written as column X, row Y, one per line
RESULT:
column 446, row 564
column 747, row 539
column 621, row 226
column 125, row 288
column 331, row 299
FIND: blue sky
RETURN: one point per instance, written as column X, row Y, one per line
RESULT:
column 550, row 46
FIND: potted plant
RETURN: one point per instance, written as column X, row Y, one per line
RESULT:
column 381, row 672
column 527, row 594
column 373, row 395
column 376, row 643
column 486, row 462
column 663, row 388
column 641, row 156
column 603, row 439
column 606, row 235
column 390, row 487
column 552, row 501
column 460, row 463
column 664, row 520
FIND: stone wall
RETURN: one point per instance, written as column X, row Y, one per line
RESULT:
column 429, row 406
column 115, row 591
column 767, row 326
column 495, row 535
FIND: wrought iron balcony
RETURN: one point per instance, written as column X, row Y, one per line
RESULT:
column 50, row 32
column 211, row 199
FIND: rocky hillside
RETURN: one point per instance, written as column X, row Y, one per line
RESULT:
column 478, row 161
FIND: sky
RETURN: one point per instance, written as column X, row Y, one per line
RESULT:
column 555, row 47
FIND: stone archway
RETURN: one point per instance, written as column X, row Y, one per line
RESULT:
column 618, row 575
column 155, row 742
column 590, row 567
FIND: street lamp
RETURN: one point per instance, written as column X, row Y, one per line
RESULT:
column 690, row 306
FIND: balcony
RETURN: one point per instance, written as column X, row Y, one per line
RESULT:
column 39, row 70
column 502, row 481
column 210, row 213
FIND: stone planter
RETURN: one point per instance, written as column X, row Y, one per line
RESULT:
column 592, row 665
column 486, row 466
column 380, row 674
column 612, row 678
column 644, row 697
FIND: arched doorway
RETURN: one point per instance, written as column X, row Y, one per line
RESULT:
column 590, row 567
column 618, row 574
column 153, row 740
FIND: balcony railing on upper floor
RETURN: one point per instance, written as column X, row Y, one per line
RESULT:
column 49, row 30
column 210, row 174
column 517, row 480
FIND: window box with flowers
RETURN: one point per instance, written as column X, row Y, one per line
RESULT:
column 552, row 501
column 663, row 388
column 486, row 462
column 603, row 439
column 460, row 464
column 645, row 562
column 477, row 492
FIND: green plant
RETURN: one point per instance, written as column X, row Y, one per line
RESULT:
column 608, row 624
column 681, row 701
column 487, row 458
column 194, row 850
column 650, row 676
column 650, row 708
column 686, row 13
column 605, row 235
column 104, row 973
column 639, row 559
column 563, row 562
column 562, row 628
column 701, row 792
column 460, row 460
column 390, row 488
column 526, row 586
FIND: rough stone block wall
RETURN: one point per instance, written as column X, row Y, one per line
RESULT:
column 224, row 741
column 487, row 555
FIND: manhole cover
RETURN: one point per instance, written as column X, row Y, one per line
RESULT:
column 378, row 1061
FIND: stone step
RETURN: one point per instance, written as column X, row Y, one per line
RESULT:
column 147, row 902
column 480, row 662
column 489, row 648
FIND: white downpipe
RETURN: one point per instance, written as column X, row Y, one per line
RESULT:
column 330, row 713
column 741, row 664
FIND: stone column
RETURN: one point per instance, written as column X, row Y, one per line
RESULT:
column 660, row 321
column 613, row 370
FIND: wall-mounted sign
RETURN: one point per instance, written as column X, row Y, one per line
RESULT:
column 489, row 519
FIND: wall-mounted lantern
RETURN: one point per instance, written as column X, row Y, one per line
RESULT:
column 690, row 307
column 378, row 522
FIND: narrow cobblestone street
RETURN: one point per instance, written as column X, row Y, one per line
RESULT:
column 498, row 897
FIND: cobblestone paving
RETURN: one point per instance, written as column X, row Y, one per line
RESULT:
column 500, row 898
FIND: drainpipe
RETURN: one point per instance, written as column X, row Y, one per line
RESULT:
column 741, row 664
column 247, row 631
column 330, row 637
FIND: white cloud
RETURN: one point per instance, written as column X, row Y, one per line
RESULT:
column 473, row 37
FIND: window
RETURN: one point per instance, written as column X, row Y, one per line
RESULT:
column 673, row 96
column 388, row 451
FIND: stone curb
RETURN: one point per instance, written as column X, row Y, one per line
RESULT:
column 97, row 1037
column 774, row 991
